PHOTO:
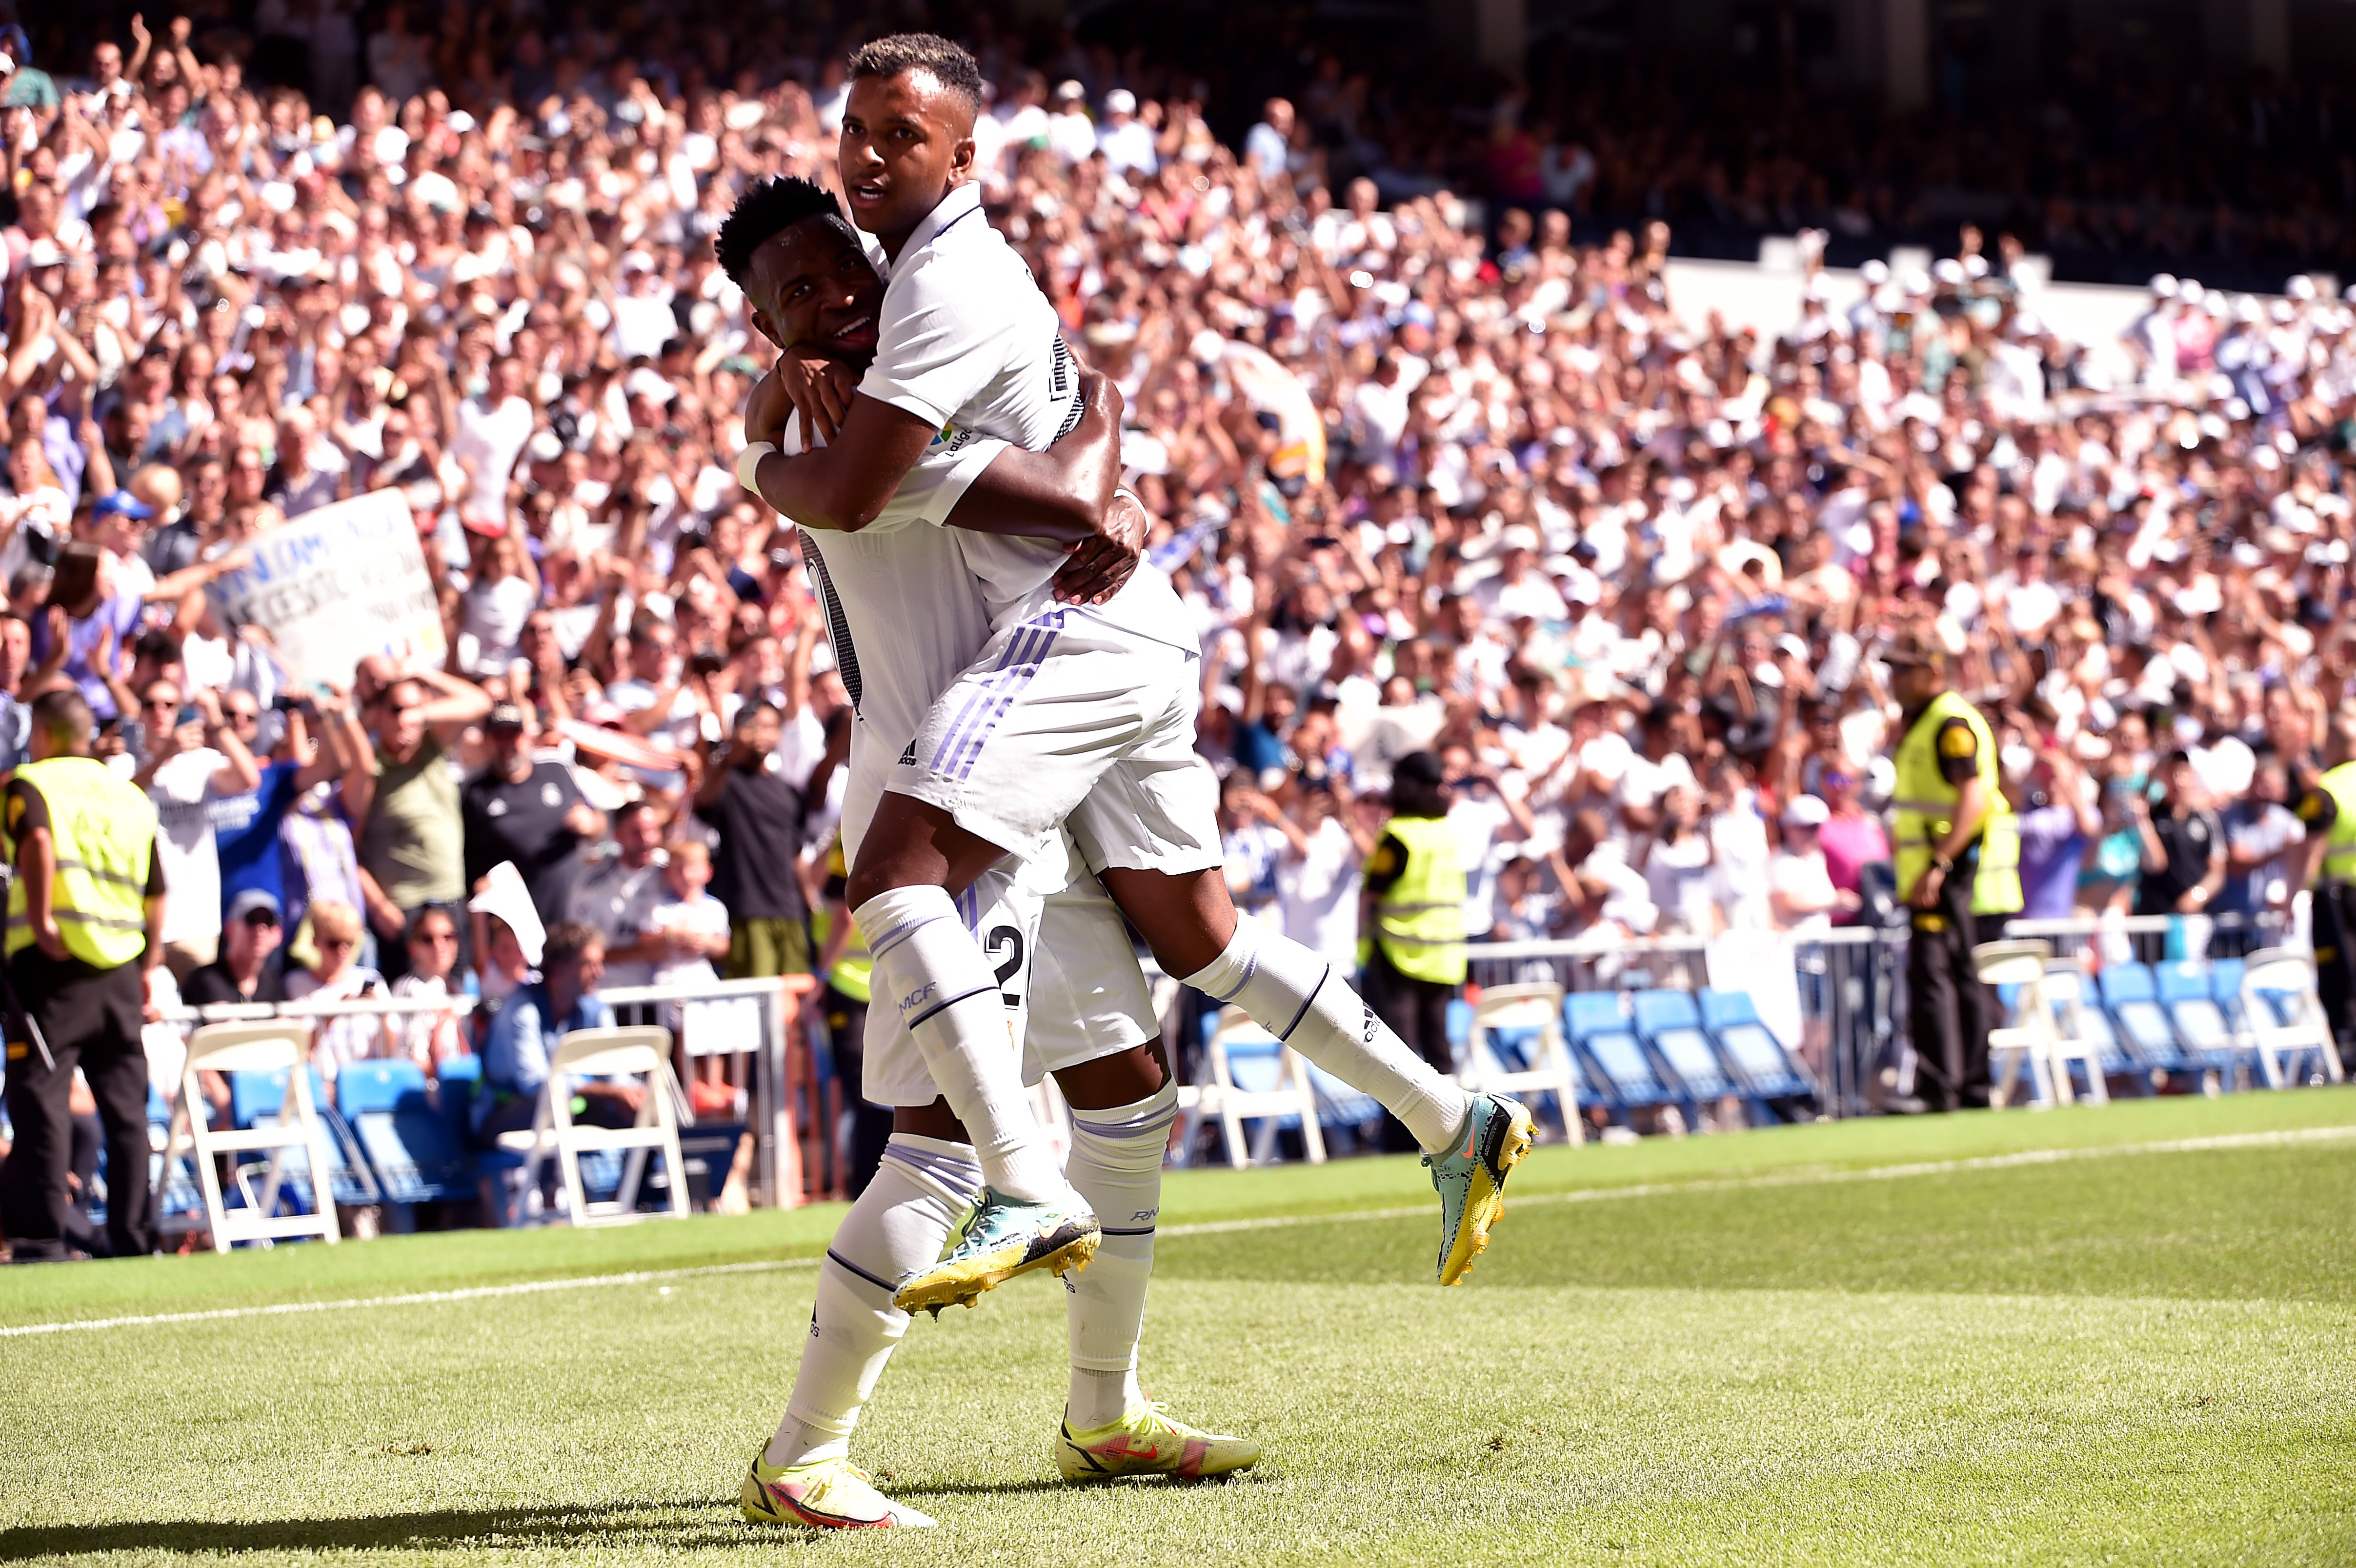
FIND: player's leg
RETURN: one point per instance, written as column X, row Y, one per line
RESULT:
column 925, row 1185
column 1150, row 829
column 1090, row 1020
column 914, row 860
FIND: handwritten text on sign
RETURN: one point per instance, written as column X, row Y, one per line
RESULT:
column 337, row 585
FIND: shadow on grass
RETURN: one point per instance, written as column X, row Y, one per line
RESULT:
column 672, row 1523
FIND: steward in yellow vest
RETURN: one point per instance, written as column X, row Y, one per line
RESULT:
column 1414, row 952
column 2325, row 805
column 1958, row 867
column 85, row 921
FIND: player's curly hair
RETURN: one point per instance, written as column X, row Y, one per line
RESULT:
column 946, row 62
column 769, row 208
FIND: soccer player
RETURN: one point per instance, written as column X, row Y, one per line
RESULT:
column 1078, row 713
column 906, row 616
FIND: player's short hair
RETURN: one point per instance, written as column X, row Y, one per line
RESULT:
column 944, row 61
column 767, row 208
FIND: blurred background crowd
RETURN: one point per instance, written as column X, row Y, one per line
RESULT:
column 1435, row 464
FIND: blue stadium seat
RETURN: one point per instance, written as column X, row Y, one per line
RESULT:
column 1670, row 1022
column 1766, row 1067
column 255, row 1099
column 408, row 1143
column 2131, row 995
column 2187, row 991
column 1620, row 1073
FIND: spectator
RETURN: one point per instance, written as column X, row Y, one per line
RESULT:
column 2058, row 825
column 338, row 976
column 430, row 1038
column 758, row 816
column 246, row 971
column 617, row 892
column 194, row 761
column 248, row 825
column 1799, row 882
column 1318, row 876
column 529, row 812
column 524, row 1034
column 1850, row 837
column 2264, row 852
column 412, row 846
column 2184, row 846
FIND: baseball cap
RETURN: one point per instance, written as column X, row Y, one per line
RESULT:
column 1806, row 811
column 253, row 901
column 1120, row 101
column 121, row 503
column 504, row 715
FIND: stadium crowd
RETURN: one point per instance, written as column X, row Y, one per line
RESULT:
column 1429, row 475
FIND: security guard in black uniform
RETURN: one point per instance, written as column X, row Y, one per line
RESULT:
column 1958, row 871
column 85, row 925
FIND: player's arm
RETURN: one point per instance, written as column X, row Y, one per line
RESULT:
column 1059, row 494
column 844, row 485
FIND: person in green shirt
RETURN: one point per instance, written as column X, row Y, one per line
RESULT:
column 412, row 845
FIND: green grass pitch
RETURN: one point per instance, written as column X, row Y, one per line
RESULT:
column 1872, row 1343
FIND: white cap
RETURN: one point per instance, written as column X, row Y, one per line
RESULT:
column 1874, row 273
column 1806, row 811
column 2163, row 286
column 1120, row 101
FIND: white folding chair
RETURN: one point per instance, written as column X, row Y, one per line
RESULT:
column 2273, row 973
column 1522, row 1009
column 275, row 1047
column 2025, row 1044
column 1256, row 1076
column 2068, row 993
column 606, row 1053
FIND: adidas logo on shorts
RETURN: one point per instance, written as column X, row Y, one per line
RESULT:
column 908, row 757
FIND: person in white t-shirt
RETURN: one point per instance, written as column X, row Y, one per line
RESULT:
column 193, row 760
column 492, row 430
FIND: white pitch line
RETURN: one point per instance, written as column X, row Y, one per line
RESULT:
column 415, row 1298
column 1817, row 1177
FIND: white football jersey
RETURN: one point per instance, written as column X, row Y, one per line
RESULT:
column 968, row 344
column 902, row 609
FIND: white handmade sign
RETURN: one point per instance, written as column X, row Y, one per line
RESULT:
column 335, row 586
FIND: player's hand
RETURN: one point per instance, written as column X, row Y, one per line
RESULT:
column 1102, row 564
column 819, row 390
column 766, row 409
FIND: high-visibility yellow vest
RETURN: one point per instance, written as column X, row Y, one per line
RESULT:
column 103, row 828
column 853, row 972
column 1925, row 809
column 2339, row 848
column 1419, row 919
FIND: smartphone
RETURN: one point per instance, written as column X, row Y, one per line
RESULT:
column 187, row 716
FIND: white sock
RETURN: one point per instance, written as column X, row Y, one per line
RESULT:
column 1117, row 1165
column 1303, row 1001
column 947, row 994
column 898, row 1226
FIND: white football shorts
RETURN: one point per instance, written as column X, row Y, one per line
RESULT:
column 1069, row 719
column 1069, row 976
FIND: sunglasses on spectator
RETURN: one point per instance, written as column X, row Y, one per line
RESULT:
column 436, row 938
column 261, row 918
column 335, row 944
